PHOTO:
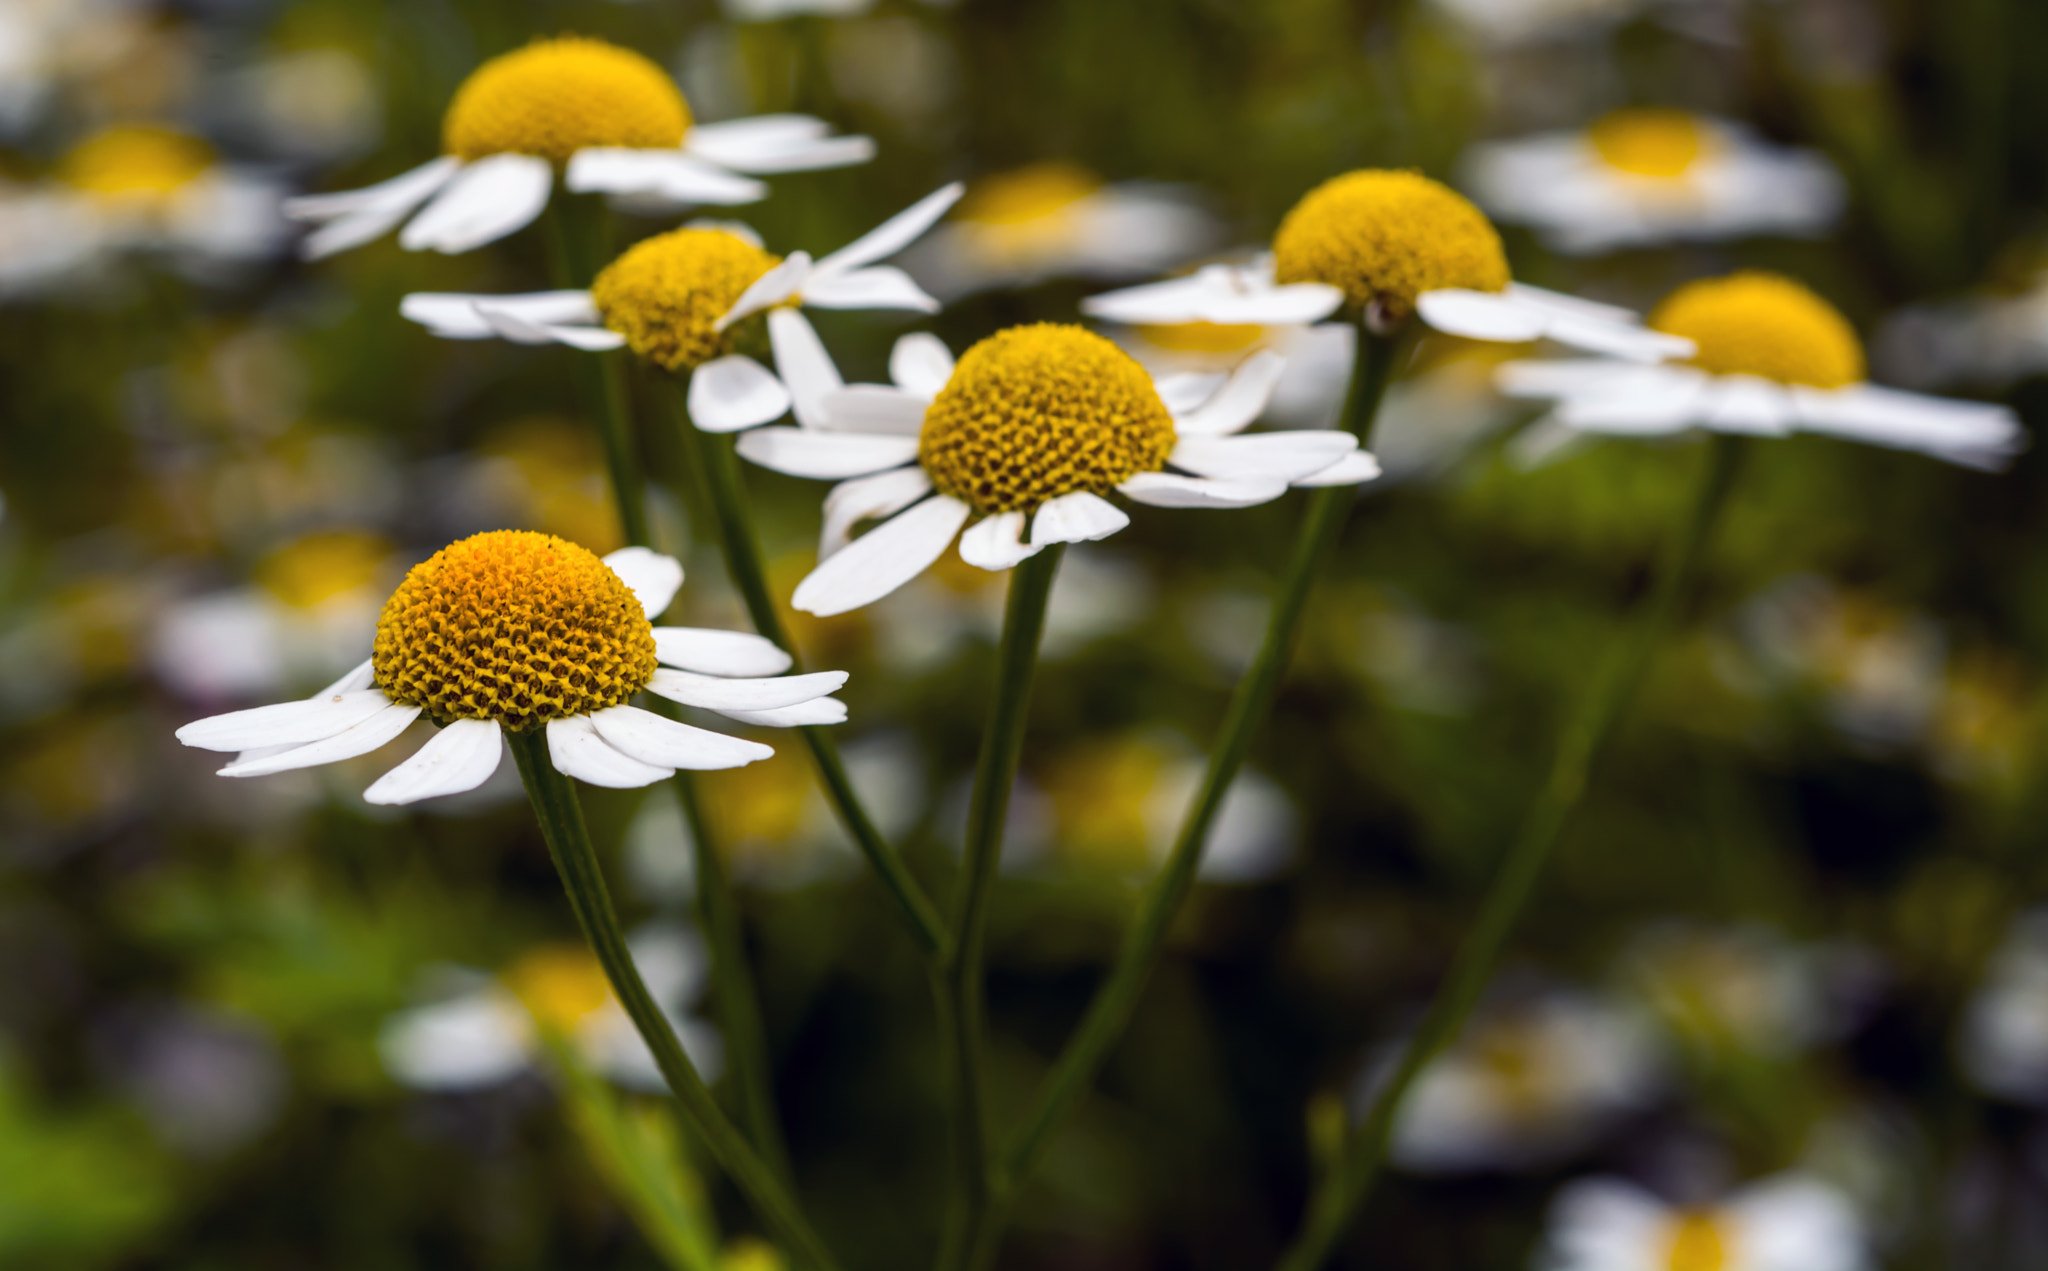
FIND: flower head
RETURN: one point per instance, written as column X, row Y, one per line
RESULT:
column 667, row 293
column 136, row 163
column 1766, row 325
column 558, row 96
column 1790, row 1222
column 1385, row 237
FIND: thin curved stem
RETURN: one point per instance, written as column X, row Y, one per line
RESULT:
column 1607, row 697
column 561, row 821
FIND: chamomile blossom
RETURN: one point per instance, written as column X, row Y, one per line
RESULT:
column 1028, row 432
column 1772, row 359
column 676, row 298
column 511, row 631
column 1646, row 175
column 608, row 119
column 1789, row 1222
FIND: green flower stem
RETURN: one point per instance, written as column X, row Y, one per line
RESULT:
column 561, row 820
column 579, row 238
column 962, row 1000
column 1607, row 696
column 714, row 459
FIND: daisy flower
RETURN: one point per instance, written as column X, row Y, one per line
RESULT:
column 1027, row 433
column 1773, row 359
column 609, row 119
column 676, row 300
column 1388, row 245
column 1649, row 175
column 511, row 631
column 1790, row 1222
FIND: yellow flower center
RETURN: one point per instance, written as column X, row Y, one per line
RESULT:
column 136, row 164
column 1203, row 337
column 561, row 985
column 1035, row 412
column 750, row 1253
column 319, row 567
column 761, row 811
column 1039, row 190
column 1100, row 797
column 555, row 97
column 666, row 293
column 1755, row 323
column 1650, row 142
column 1388, row 236
column 516, row 627
column 1697, row 1243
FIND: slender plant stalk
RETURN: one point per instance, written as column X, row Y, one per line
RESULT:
column 561, row 820
column 963, row 1004
column 714, row 459
column 579, row 238
column 1607, row 697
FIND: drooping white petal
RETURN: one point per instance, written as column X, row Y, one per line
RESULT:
column 1635, row 343
column 720, row 141
column 876, row 287
column 1079, row 517
column 355, row 217
column 1564, row 304
column 831, row 456
column 819, row 710
column 712, row 652
column 468, row 1042
column 1167, row 490
column 1479, row 315
column 511, row 318
column 576, row 750
column 717, row 693
column 1973, row 433
column 359, row 739
column 734, row 392
column 769, row 290
column 663, row 743
column 876, row 408
column 1354, row 468
column 1659, row 399
column 648, row 574
column 1218, row 293
column 484, row 202
column 793, row 156
column 997, row 542
column 805, row 366
column 670, row 175
column 451, row 315
column 883, row 559
column 285, row 724
column 1187, row 390
column 460, row 757
column 1243, row 396
column 892, row 235
column 865, row 498
column 1279, row 456
column 921, row 363
column 1747, row 404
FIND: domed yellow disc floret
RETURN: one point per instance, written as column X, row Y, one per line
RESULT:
column 665, row 294
column 1650, row 141
column 1388, row 236
column 1036, row 412
column 554, row 97
column 1696, row 1244
column 1755, row 323
column 516, row 627
column 136, row 163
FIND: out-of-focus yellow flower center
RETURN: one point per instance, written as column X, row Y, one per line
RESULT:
column 1203, row 337
column 666, row 294
column 1035, row 412
column 1650, row 141
column 1101, row 796
column 1697, row 1243
column 560, row 984
column 1388, row 236
column 515, row 627
column 557, row 96
column 1027, row 194
column 319, row 567
column 1515, row 1054
column 750, row 1253
column 136, row 164
column 1755, row 323
column 761, row 809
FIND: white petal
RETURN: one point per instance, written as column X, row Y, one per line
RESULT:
column 788, row 156
column 1240, row 400
column 285, row 724
column 1658, row 400
column 484, row 202
column 713, row 652
column 892, row 235
column 1562, row 377
column 362, row 677
column 508, row 321
column 1165, row 490
column 754, row 131
column 806, row 368
column 1636, row 343
column 1279, row 456
column 883, row 559
column 996, row 542
column 1184, row 392
column 876, row 287
column 1479, row 315
column 664, row 743
column 1967, row 432
column 1079, row 517
column 652, row 577
column 358, row 740
column 666, row 174
column 478, row 1039
column 1565, row 304
column 401, row 193
column 819, row 710
column 718, row 693
column 1353, row 469
column 576, row 750
column 865, row 498
column 735, row 392
column 451, row 315
column 460, row 757
column 921, row 363
column 769, row 290
column 1746, row 404
column 876, row 408
column 805, row 452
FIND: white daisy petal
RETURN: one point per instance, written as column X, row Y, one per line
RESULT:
column 467, row 1042
column 460, row 757
column 1279, row 456
column 1079, row 517
column 1746, row 404
column 1479, row 315
column 1563, row 303
column 805, row 452
column 769, row 290
column 717, row 693
column 876, row 408
column 997, row 542
column 1563, row 376
column 285, row 724
column 484, row 202
column 792, row 156
column 510, row 323
column 806, row 368
column 1183, row 392
column 403, row 192
column 921, row 363
column 1636, row 343
column 649, row 575
column 1239, row 401
column 451, row 315
column 883, row 559
column 722, row 141
column 1353, row 469
column 892, row 235
column 1968, row 432
column 663, row 743
column 360, row 739
column 713, row 652
column 1166, row 490
column 866, row 498
column 734, row 392
column 1658, row 400
column 362, row 677
column 819, row 710
column 876, row 287
column 576, row 750
column 670, row 175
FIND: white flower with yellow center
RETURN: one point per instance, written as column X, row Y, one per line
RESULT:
column 2004, row 1041
column 1644, row 176
column 1773, row 359
column 511, row 631
column 676, row 300
column 1391, row 245
column 610, row 120
column 1789, row 1222
column 1028, row 432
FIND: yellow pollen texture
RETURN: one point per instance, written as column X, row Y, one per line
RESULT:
column 555, row 97
column 515, row 627
column 1696, row 1244
column 1388, row 236
column 560, row 985
column 1649, row 141
column 136, row 162
column 665, row 294
column 1035, row 412
column 1754, row 323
